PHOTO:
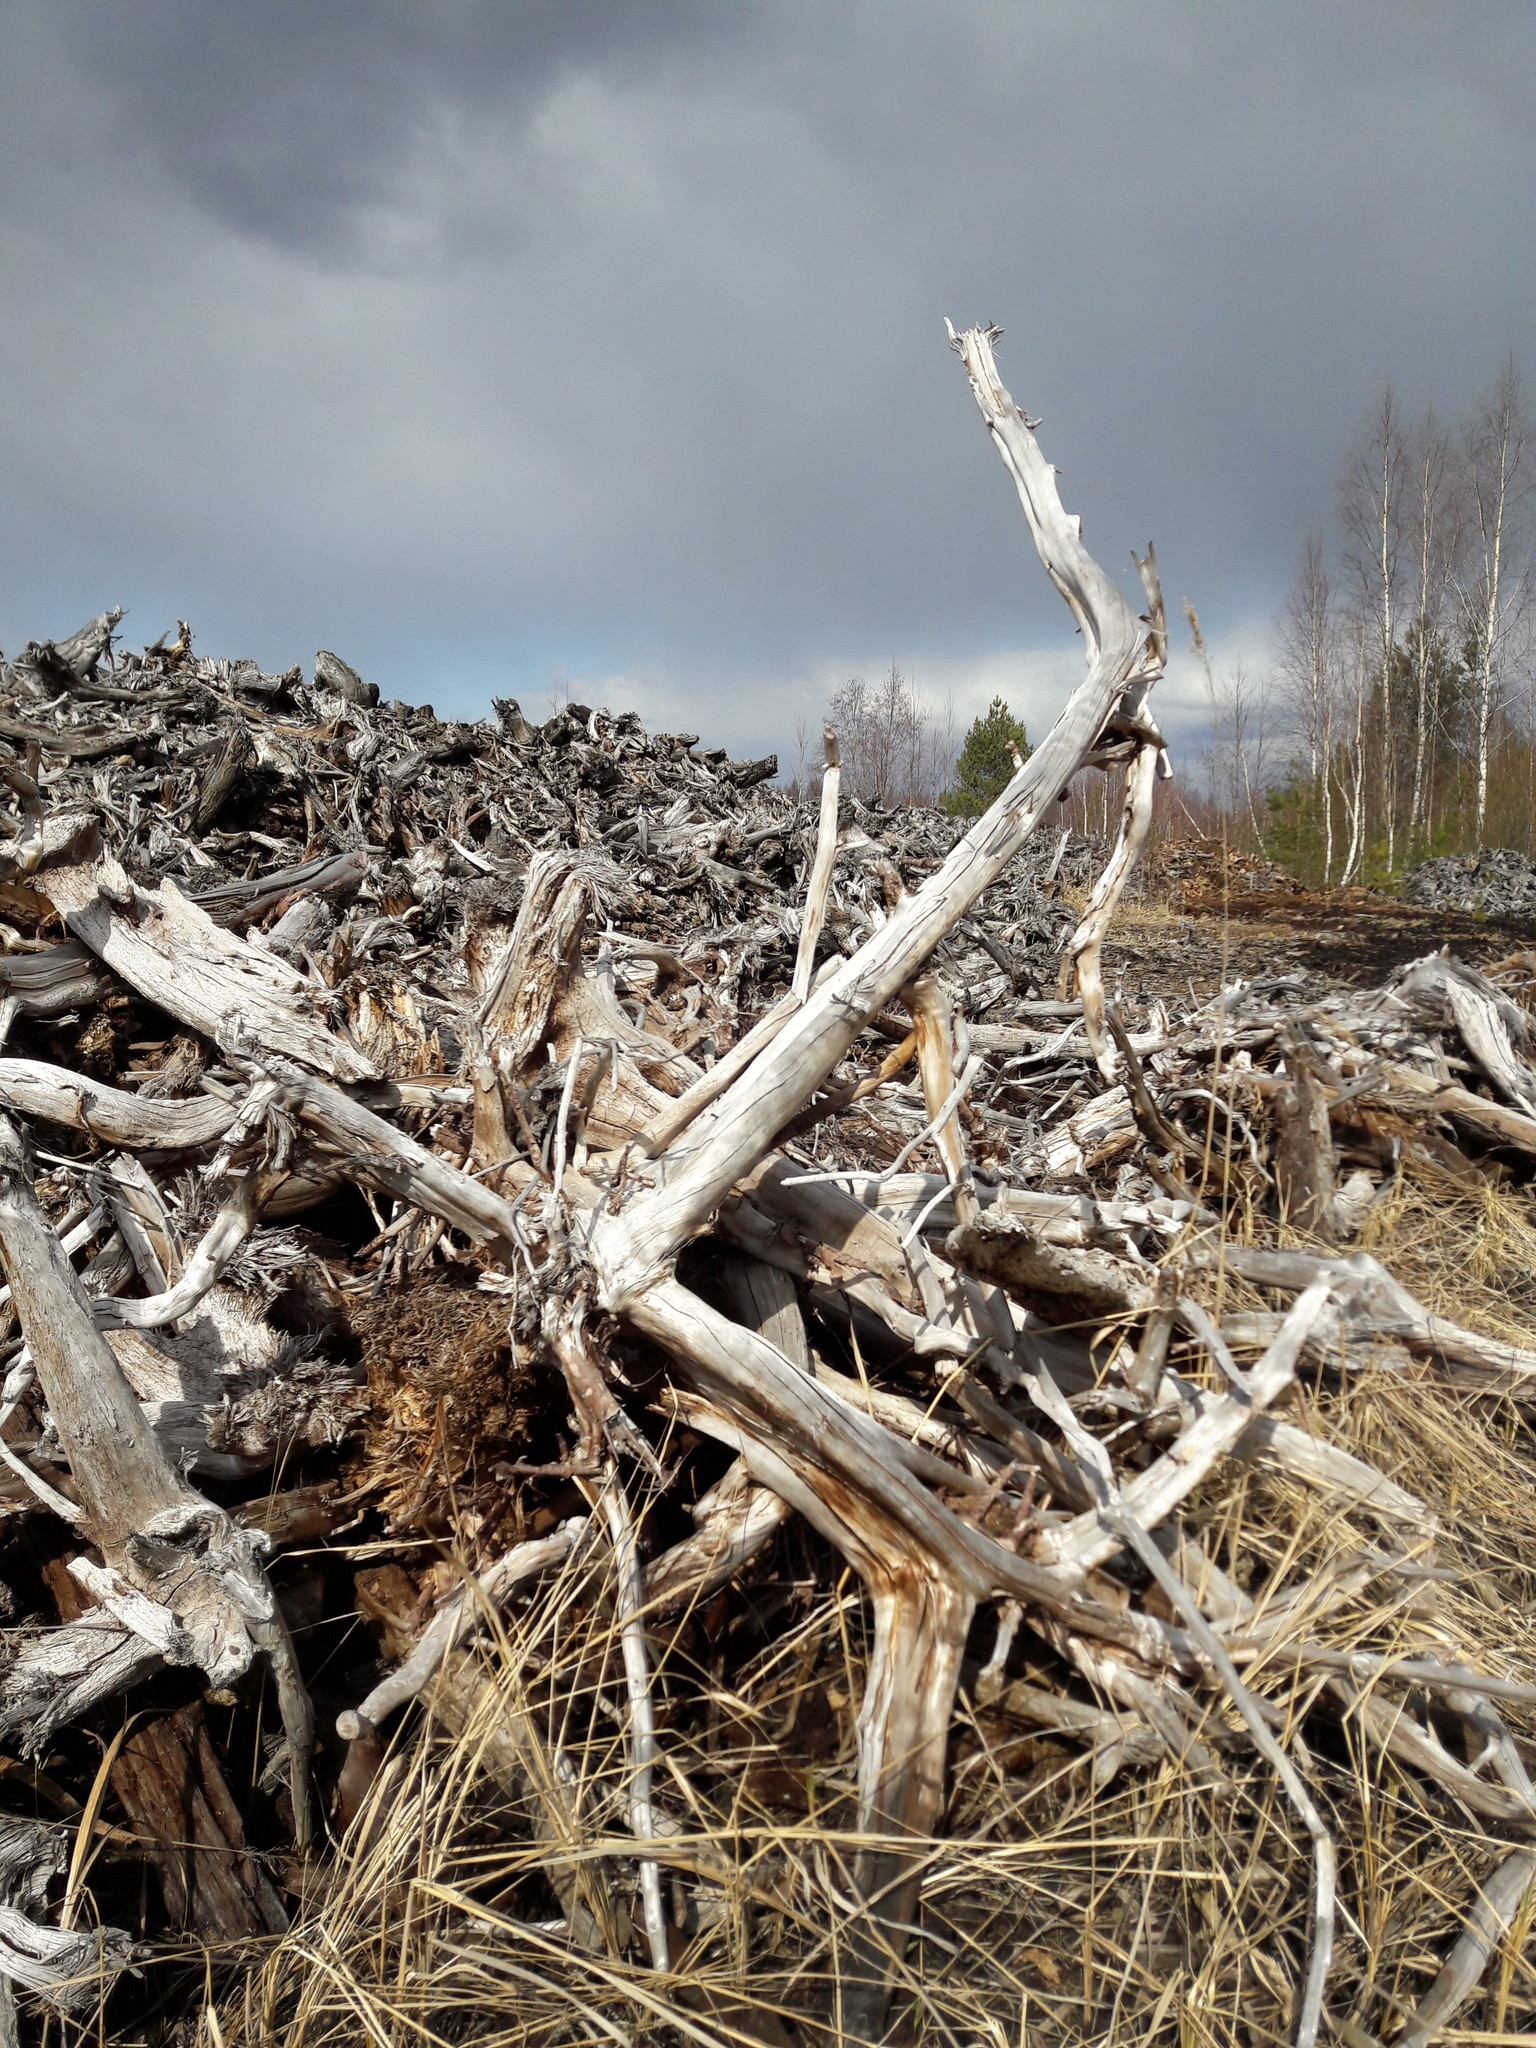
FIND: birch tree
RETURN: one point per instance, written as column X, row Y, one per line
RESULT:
column 1405, row 670
column 1358, row 658
column 1495, row 584
column 894, row 749
column 1371, row 517
column 1308, row 676
column 1433, row 537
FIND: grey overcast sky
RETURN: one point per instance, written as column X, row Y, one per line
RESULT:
column 522, row 346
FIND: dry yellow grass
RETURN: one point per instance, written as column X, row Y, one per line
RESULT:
column 1154, row 1910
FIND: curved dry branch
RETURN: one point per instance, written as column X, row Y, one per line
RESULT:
column 1087, row 943
column 727, row 1139
column 58, row 1096
column 820, row 883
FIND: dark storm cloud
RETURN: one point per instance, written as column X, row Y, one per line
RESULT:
column 302, row 123
column 498, row 343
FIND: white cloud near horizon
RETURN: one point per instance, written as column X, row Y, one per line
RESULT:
column 761, row 710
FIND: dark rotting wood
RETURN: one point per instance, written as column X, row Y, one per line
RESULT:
column 174, row 1793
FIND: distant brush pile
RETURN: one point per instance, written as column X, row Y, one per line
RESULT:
column 1494, row 882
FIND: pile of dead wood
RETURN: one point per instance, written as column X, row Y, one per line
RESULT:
column 1496, row 881
column 1204, row 874
column 502, row 1220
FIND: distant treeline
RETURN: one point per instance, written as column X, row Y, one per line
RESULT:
column 1398, row 719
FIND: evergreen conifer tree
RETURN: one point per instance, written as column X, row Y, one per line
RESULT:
column 985, row 767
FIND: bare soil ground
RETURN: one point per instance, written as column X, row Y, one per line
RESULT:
column 1355, row 936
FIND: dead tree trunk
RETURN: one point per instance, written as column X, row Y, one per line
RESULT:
column 923, row 1584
